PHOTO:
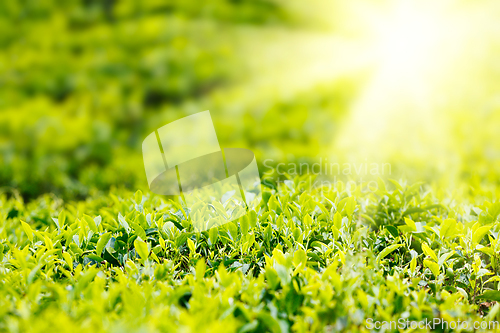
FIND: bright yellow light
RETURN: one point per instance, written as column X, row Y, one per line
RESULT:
column 409, row 40
column 413, row 47
column 414, row 41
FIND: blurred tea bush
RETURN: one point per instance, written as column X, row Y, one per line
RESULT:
column 83, row 82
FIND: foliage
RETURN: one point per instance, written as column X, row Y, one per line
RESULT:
column 85, row 247
column 84, row 82
column 304, row 260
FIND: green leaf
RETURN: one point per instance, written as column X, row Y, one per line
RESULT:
column 495, row 278
column 94, row 257
column 142, row 221
column 444, row 258
column 335, row 232
column 181, row 239
column 138, row 230
column 61, row 219
column 200, row 269
column 252, row 218
column 429, row 252
column 179, row 207
column 27, row 230
column 409, row 227
column 350, row 206
column 233, row 230
column 141, row 247
column 486, row 250
column 397, row 184
column 300, row 257
column 387, row 251
column 138, row 197
column 434, row 267
column 413, row 265
column 448, row 228
column 244, row 225
column 490, row 295
column 123, row 223
column 413, row 210
column 393, row 230
column 381, row 184
column 213, row 235
column 337, row 220
column 191, row 246
column 33, row 273
column 480, row 232
column 68, row 259
column 268, row 233
column 90, row 222
column 101, row 243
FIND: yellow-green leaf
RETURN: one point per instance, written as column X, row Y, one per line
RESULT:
column 410, row 224
column 413, row 265
column 68, row 259
column 490, row 295
column 341, row 256
column 336, row 232
column 244, row 225
column 27, row 230
column 388, row 250
column 429, row 252
column 486, row 250
column 300, row 257
column 90, row 222
column 448, row 228
column 141, row 247
column 337, row 220
column 213, row 235
column 138, row 230
column 191, row 246
column 434, row 267
column 409, row 227
column 61, row 219
column 138, row 197
column 350, row 206
column 101, row 243
column 200, row 269
column 480, row 232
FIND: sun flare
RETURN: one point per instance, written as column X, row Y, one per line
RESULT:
column 410, row 39
column 416, row 51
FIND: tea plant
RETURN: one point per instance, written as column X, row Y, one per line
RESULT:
column 305, row 260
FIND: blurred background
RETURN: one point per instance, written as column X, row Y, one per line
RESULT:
column 412, row 83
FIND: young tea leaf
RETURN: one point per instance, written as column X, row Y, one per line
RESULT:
column 448, row 228
column 90, row 222
column 387, row 251
column 27, row 230
column 434, row 267
column 142, row 248
column 429, row 252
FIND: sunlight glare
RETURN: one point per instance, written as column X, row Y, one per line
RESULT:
column 414, row 47
column 408, row 40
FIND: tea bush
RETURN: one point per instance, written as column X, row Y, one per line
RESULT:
column 305, row 261
column 84, row 246
column 84, row 82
